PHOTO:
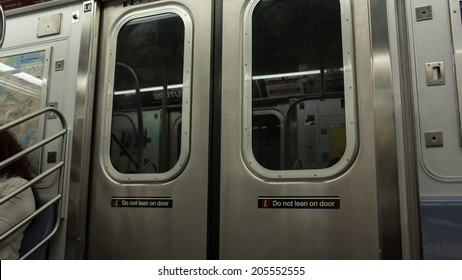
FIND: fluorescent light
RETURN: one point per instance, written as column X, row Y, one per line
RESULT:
column 28, row 78
column 132, row 91
column 6, row 68
column 313, row 72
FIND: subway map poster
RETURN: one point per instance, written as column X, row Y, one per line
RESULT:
column 23, row 89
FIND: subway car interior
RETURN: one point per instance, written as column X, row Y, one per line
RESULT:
column 235, row 129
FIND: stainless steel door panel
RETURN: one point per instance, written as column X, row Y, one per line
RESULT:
column 350, row 232
column 178, row 232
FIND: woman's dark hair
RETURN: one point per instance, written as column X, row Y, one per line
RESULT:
column 9, row 146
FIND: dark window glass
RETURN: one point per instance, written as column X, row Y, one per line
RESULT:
column 148, row 94
column 297, row 69
column 267, row 145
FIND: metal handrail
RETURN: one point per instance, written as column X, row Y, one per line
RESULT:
column 32, row 182
column 2, row 26
column 58, row 167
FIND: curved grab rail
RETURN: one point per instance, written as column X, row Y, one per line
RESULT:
column 139, row 112
column 3, row 26
column 58, row 167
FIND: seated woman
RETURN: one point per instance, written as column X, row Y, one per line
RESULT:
column 20, row 206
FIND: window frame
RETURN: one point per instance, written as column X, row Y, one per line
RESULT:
column 186, row 97
column 349, row 97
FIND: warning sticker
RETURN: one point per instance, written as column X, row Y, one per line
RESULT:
column 146, row 202
column 299, row 202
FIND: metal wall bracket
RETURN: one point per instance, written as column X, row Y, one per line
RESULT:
column 59, row 65
column 434, row 73
column 49, row 25
column 434, row 139
column 51, row 115
column 423, row 13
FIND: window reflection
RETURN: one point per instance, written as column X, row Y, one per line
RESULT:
column 298, row 70
column 23, row 90
column 148, row 92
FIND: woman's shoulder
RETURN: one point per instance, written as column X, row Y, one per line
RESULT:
column 13, row 180
column 22, row 203
column 8, row 185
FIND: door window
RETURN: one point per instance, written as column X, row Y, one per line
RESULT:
column 298, row 61
column 152, row 62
